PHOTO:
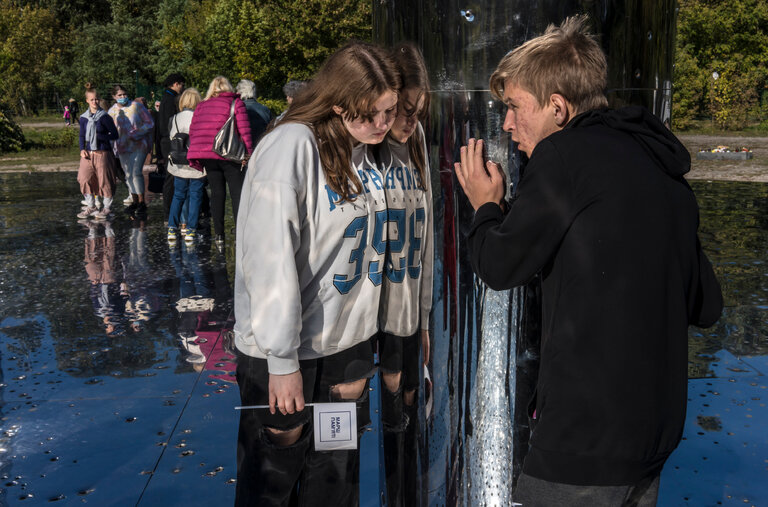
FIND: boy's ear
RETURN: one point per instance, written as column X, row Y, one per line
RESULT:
column 561, row 108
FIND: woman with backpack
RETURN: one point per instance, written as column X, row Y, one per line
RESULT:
column 188, row 182
column 210, row 116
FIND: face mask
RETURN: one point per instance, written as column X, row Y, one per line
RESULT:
column 123, row 101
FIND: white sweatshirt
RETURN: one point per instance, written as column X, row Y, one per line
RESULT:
column 182, row 121
column 308, row 269
column 407, row 293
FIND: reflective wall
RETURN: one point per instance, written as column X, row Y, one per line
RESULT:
column 485, row 343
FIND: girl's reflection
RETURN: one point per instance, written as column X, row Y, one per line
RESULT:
column 106, row 296
column 142, row 300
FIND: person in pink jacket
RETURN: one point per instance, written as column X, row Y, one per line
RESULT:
column 210, row 116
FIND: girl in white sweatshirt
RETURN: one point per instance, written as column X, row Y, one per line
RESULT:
column 311, row 239
column 406, row 298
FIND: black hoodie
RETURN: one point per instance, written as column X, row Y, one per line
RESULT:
column 604, row 214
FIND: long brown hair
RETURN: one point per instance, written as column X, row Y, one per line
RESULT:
column 353, row 78
column 413, row 73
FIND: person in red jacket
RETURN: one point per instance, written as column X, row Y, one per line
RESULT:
column 210, row 116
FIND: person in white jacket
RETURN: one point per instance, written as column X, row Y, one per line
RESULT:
column 406, row 298
column 311, row 240
column 188, row 183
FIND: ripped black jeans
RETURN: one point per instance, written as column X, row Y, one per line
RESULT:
column 296, row 474
column 400, row 356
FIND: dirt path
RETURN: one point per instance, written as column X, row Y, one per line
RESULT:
column 45, row 125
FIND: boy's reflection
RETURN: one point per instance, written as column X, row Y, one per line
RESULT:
column 106, row 297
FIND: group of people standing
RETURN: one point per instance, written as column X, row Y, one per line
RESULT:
column 129, row 139
column 123, row 133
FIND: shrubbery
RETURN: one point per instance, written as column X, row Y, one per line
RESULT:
column 721, row 63
column 60, row 138
column 11, row 136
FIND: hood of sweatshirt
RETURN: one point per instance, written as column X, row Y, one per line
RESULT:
column 657, row 140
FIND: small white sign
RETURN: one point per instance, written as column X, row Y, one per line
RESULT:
column 335, row 426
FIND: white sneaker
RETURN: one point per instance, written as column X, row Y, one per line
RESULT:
column 97, row 203
column 103, row 214
column 87, row 212
column 128, row 200
column 84, row 202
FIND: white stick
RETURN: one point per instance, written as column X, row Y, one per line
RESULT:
column 247, row 407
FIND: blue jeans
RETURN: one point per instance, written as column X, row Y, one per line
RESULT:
column 133, row 165
column 184, row 188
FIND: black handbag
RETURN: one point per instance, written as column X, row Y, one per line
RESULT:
column 156, row 181
column 228, row 144
column 179, row 146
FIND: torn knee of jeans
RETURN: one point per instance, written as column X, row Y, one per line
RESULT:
column 283, row 438
column 393, row 381
column 356, row 391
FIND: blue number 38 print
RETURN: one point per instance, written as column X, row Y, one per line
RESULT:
column 395, row 267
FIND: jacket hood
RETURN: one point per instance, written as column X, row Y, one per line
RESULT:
column 657, row 140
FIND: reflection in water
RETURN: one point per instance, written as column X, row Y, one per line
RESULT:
column 203, row 311
column 66, row 385
column 734, row 232
column 94, row 383
column 106, row 294
column 142, row 297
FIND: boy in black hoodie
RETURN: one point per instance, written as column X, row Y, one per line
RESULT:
column 604, row 214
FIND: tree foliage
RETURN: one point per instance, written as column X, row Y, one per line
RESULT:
column 11, row 136
column 721, row 63
column 29, row 51
column 47, row 44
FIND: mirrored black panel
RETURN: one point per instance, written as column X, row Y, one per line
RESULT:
column 485, row 343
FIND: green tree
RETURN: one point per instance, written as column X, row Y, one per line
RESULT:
column 11, row 136
column 727, row 39
column 268, row 41
column 29, row 49
column 290, row 40
column 55, row 44
column 108, row 53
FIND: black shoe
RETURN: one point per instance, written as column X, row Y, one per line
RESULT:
column 131, row 208
column 141, row 210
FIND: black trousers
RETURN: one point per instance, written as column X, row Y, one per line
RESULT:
column 533, row 492
column 221, row 172
column 400, row 421
column 161, row 151
column 297, row 475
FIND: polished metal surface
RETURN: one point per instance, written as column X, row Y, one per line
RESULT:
column 486, row 344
